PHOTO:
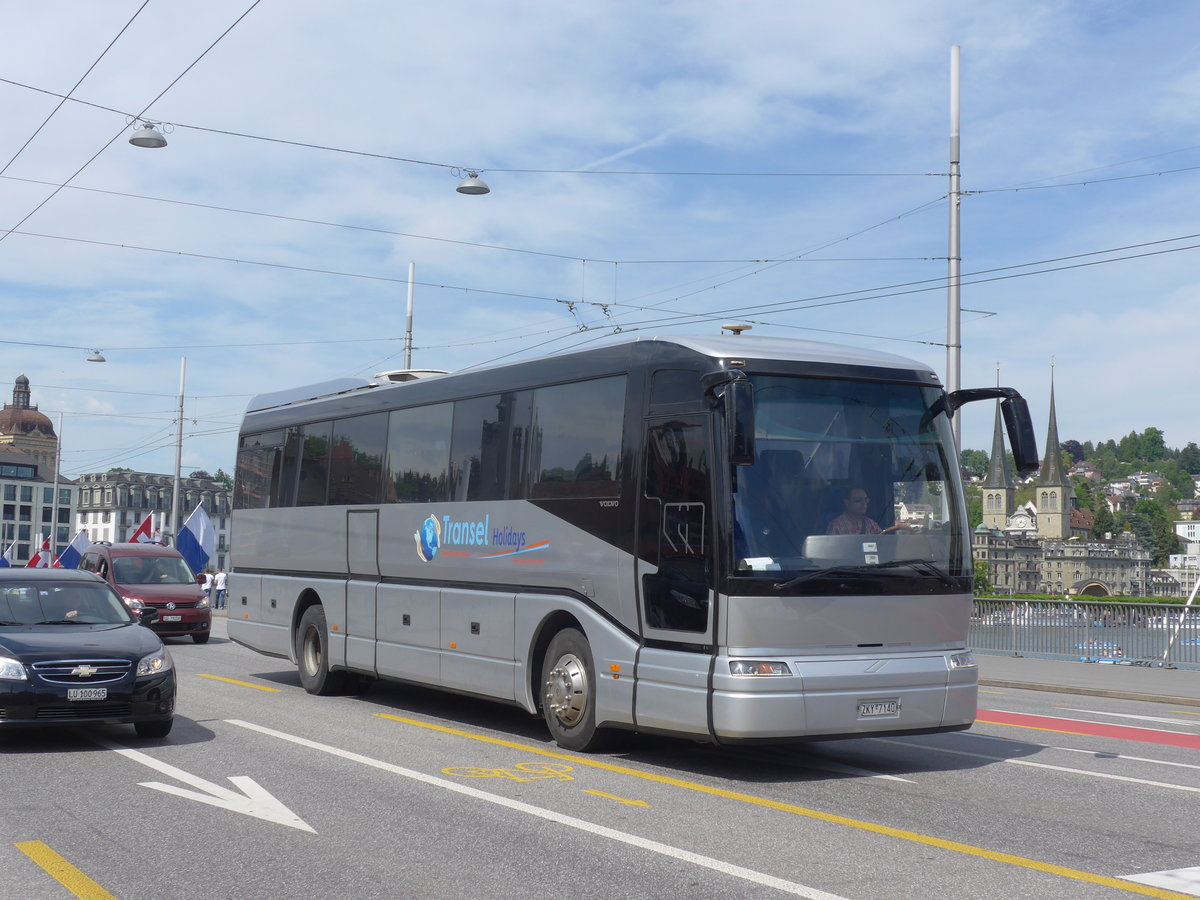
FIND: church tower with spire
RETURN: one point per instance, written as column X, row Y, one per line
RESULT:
column 999, row 490
column 1053, row 495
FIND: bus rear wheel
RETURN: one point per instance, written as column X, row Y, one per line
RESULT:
column 568, row 692
column 312, row 654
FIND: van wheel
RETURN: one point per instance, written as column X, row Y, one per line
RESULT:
column 200, row 638
column 568, row 692
column 312, row 654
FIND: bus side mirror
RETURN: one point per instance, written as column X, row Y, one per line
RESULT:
column 1016, row 420
column 739, row 416
column 732, row 388
column 1020, row 433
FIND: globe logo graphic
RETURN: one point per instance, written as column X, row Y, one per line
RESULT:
column 429, row 538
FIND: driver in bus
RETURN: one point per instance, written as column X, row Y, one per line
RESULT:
column 854, row 518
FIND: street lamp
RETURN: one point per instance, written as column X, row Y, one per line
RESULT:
column 148, row 136
column 473, row 184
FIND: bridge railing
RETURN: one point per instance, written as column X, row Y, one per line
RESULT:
column 1094, row 631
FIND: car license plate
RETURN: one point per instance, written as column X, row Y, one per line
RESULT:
column 871, row 709
column 87, row 693
column 172, row 618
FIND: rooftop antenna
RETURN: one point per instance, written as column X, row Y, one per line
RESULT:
column 735, row 327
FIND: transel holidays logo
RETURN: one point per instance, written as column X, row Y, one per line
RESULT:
column 429, row 538
column 435, row 533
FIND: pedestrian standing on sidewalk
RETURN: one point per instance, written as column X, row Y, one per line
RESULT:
column 206, row 585
column 219, row 583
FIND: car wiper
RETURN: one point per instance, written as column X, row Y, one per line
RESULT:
column 59, row 622
column 924, row 566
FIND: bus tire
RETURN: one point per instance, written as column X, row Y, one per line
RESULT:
column 568, row 692
column 312, row 654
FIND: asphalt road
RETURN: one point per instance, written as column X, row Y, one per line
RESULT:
column 263, row 791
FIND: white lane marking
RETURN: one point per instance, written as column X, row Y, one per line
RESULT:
column 251, row 799
column 1036, row 765
column 843, row 769
column 1096, row 754
column 1182, row 881
column 1159, row 719
column 707, row 862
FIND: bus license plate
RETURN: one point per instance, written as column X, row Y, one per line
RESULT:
column 871, row 709
column 87, row 693
column 172, row 618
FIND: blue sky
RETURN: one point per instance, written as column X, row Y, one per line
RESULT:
column 268, row 264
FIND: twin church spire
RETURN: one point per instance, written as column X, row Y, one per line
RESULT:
column 1053, row 496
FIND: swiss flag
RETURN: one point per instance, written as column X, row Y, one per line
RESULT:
column 144, row 533
column 41, row 559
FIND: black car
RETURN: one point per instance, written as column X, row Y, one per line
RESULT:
column 72, row 653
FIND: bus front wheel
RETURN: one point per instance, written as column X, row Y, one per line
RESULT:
column 312, row 654
column 568, row 692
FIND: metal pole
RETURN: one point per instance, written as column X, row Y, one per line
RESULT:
column 173, row 525
column 954, row 308
column 54, row 509
column 412, row 267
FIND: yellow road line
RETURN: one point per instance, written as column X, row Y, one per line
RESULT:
column 624, row 800
column 899, row 833
column 63, row 872
column 257, row 687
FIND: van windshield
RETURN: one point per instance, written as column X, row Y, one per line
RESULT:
column 151, row 570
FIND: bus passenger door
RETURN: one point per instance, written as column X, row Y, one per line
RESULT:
column 675, row 575
column 362, row 564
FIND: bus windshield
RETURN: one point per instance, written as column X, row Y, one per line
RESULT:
column 852, row 482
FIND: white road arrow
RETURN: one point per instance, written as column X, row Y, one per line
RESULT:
column 250, row 799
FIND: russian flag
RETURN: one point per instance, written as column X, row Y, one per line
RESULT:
column 69, row 558
column 41, row 559
column 145, row 533
column 7, row 559
column 197, row 539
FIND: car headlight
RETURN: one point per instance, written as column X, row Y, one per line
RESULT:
column 12, row 669
column 963, row 660
column 203, row 604
column 155, row 664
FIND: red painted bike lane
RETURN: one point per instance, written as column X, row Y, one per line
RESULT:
column 1094, row 729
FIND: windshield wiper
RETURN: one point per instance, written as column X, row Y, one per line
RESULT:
column 925, row 566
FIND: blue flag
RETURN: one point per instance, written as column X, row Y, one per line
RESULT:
column 197, row 540
column 69, row 558
column 7, row 559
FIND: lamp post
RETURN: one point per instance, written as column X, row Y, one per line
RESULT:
column 173, row 525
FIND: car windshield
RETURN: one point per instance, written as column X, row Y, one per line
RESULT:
column 151, row 570
column 851, row 479
column 61, row 604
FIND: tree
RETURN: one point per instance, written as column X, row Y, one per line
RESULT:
column 200, row 473
column 1189, row 459
column 1152, row 445
column 224, row 479
column 974, row 506
column 118, row 469
column 975, row 462
column 983, row 581
column 1075, row 449
column 1103, row 524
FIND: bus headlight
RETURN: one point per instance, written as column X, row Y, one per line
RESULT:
column 758, row 667
column 963, row 660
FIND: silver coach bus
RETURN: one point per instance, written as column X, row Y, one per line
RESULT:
column 655, row 535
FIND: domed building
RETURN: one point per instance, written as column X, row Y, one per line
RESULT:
column 23, row 428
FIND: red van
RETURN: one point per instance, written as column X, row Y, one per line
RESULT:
column 157, row 577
